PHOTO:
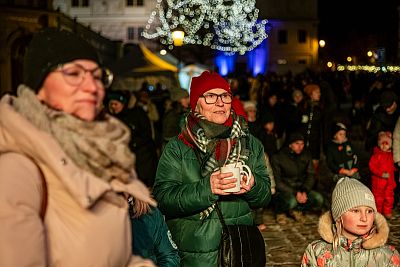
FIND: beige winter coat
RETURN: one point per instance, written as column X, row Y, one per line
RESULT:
column 86, row 221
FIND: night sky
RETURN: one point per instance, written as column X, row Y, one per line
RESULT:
column 351, row 27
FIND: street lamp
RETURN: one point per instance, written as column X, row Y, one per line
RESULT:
column 177, row 36
column 322, row 43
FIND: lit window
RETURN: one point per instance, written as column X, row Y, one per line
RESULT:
column 302, row 36
column 282, row 37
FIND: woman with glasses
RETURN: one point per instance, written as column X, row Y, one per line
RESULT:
column 66, row 168
column 189, row 180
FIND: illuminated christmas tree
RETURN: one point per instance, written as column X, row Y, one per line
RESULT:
column 225, row 25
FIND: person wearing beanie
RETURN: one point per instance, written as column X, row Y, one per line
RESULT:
column 141, row 142
column 341, row 158
column 294, row 177
column 117, row 101
column 381, row 166
column 66, row 166
column 353, row 233
column 384, row 119
column 189, row 180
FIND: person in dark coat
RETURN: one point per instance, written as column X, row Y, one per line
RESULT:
column 384, row 118
column 294, row 177
column 141, row 142
column 340, row 156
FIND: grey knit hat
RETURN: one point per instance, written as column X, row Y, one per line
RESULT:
column 350, row 193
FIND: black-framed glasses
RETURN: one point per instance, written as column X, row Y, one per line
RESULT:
column 74, row 74
column 212, row 98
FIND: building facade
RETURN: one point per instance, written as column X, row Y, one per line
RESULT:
column 122, row 20
column 19, row 20
column 293, row 34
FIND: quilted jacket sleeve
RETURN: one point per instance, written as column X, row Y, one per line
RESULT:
column 179, row 188
column 22, row 235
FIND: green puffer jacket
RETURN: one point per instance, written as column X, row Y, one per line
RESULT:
column 369, row 252
column 182, row 194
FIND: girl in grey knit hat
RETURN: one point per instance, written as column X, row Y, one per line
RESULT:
column 353, row 233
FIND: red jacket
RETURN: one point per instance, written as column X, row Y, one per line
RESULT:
column 381, row 162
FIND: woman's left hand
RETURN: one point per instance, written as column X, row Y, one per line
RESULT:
column 244, row 188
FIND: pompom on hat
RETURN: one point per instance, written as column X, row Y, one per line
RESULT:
column 350, row 193
column 206, row 82
column 50, row 48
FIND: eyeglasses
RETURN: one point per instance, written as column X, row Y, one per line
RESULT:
column 74, row 74
column 211, row 98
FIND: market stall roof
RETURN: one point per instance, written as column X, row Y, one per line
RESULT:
column 141, row 60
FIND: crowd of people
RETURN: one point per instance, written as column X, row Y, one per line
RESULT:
column 92, row 177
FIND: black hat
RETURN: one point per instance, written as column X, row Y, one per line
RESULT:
column 387, row 98
column 337, row 127
column 119, row 96
column 295, row 136
column 50, row 48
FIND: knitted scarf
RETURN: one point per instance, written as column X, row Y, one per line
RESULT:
column 99, row 146
column 215, row 141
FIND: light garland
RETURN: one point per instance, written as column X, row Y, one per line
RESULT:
column 368, row 68
column 229, row 26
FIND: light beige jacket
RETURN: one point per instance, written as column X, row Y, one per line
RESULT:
column 86, row 221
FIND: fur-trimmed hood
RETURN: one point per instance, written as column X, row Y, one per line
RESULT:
column 378, row 239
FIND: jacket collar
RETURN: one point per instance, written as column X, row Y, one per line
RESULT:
column 376, row 239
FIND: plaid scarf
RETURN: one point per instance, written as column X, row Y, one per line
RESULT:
column 218, row 144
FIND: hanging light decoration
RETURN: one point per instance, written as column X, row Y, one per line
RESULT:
column 225, row 25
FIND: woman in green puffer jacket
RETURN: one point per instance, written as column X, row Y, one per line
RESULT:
column 189, row 181
column 353, row 232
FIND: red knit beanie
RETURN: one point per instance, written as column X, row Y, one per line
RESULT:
column 206, row 82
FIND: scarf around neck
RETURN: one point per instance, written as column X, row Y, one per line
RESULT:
column 219, row 144
column 99, row 146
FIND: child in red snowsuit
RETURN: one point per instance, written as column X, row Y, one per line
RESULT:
column 382, row 169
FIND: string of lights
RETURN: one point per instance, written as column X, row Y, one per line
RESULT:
column 229, row 26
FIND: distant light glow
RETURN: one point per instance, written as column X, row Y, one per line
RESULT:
column 322, row 43
column 163, row 52
column 349, row 59
column 225, row 63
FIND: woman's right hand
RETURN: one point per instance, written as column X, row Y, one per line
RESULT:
column 219, row 183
